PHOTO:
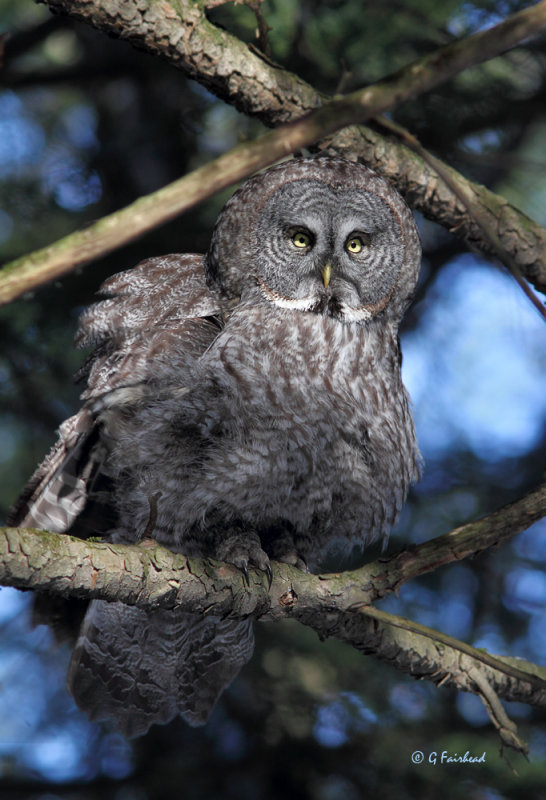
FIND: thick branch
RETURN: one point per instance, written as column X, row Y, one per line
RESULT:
column 146, row 576
column 333, row 605
column 260, row 88
column 183, row 35
column 153, row 576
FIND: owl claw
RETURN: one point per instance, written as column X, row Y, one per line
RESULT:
column 263, row 566
column 243, row 549
column 267, row 569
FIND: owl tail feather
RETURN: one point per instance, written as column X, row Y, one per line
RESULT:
column 142, row 668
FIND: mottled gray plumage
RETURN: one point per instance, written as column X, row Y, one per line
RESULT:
column 253, row 398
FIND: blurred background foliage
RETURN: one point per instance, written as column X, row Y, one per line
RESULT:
column 87, row 124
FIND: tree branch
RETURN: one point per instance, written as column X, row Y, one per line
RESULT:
column 184, row 36
column 488, row 230
column 150, row 576
column 388, row 575
column 261, row 88
column 148, row 212
column 426, row 654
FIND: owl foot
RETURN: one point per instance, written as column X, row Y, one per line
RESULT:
column 281, row 546
column 241, row 548
column 295, row 559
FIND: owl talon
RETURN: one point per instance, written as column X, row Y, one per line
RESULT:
column 263, row 567
column 294, row 559
column 242, row 548
column 301, row 564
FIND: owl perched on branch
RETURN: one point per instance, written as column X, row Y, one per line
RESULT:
column 244, row 405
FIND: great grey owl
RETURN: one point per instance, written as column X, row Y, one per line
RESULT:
column 243, row 405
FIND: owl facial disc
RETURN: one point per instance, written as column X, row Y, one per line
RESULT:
column 322, row 236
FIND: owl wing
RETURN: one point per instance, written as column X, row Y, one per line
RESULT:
column 157, row 318
column 134, row 666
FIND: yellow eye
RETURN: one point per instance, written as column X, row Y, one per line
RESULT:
column 354, row 244
column 301, row 239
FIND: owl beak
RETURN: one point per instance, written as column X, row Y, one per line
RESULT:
column 326, row 275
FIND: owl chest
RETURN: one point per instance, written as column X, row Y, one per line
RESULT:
column 303, row 382
column 298, row 422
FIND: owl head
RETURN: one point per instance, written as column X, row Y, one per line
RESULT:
column 318, row 235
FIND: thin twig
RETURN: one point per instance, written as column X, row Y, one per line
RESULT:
column 389, row 574
column 262, row 31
